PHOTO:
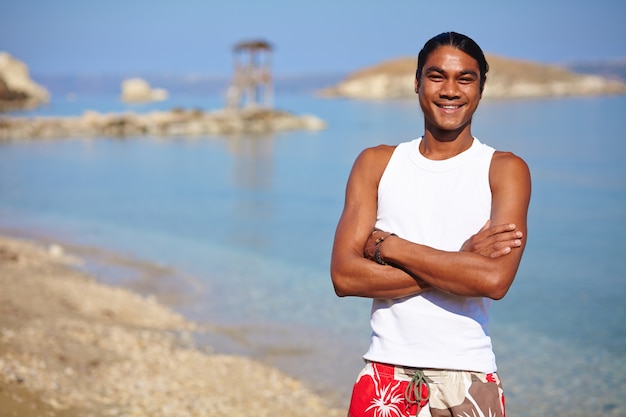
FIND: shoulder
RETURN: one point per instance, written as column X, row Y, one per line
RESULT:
column 506, row 167
column 371, row 163
column 375, row 157
column 377, row 152
column 504, row 161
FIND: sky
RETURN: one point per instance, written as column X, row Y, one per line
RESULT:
column 195, row 37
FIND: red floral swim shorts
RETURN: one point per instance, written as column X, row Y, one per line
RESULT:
column 396, row 391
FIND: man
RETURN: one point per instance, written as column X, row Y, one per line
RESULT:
column 432, row 230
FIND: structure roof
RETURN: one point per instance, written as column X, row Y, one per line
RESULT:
column 253, row 45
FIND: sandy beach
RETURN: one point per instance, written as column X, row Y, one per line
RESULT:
column 72, row 346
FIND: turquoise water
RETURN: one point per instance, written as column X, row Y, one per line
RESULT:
column 248, row 222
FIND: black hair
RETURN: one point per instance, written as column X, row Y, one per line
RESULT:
column 458, row 41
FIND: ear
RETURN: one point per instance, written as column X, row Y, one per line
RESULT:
column 417, row 86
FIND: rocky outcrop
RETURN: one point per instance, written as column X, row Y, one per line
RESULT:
column 158, row 123
column 515, row 78
column 138, row 90
column 17, row 90
column 507, row 78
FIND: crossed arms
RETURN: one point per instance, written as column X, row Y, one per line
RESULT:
column 484, row 267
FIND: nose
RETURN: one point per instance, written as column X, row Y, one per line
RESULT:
column 449, row 90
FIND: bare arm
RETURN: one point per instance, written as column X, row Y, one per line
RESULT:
column 352, row 274
column 475, row 273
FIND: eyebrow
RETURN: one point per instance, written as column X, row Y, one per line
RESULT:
column 442, row 71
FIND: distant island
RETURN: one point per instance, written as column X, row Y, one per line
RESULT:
column 18, row 91
column 507, row 78
column 393, row 79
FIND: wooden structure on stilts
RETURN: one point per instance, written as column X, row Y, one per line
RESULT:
column 252, row 84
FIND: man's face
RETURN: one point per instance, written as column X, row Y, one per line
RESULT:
column 449, row 89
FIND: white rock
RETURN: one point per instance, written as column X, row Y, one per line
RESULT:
column 136, row 90
column 55, row 250
column 15, row 74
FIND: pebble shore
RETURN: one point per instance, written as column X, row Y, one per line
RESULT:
column 71, row 346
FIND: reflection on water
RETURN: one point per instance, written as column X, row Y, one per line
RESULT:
column 253, row 171
column 253, row 167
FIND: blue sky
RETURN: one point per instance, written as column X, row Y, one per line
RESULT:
column 324, row 36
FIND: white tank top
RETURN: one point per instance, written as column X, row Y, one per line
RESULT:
column 439, row 204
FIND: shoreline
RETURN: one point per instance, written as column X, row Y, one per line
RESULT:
column 71, row 345
column 174, row 123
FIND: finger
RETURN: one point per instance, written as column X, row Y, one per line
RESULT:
column 501, row 252
column 506, row 238
column 495, row 241
column 513, row 243
column 500, row 232
column 503, row 248
column 500, row 228
column 487, row 230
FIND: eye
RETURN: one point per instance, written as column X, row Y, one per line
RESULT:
column 435, row 77
column 466, row 80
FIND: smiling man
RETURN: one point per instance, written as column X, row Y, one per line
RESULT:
column 432, row 230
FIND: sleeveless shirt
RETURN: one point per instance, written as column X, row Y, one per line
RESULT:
column 439, row 204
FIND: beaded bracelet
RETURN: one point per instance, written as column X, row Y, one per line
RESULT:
column 378, row 242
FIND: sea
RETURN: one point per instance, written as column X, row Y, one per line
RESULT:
column 236, row 234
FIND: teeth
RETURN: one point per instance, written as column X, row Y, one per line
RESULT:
column 450, row 107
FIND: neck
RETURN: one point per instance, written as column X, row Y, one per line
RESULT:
column 444, row 145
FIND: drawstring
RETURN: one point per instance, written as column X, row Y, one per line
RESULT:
column 417, row 391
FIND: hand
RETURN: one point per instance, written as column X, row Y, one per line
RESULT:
column 370, row 246
column 493, row 241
